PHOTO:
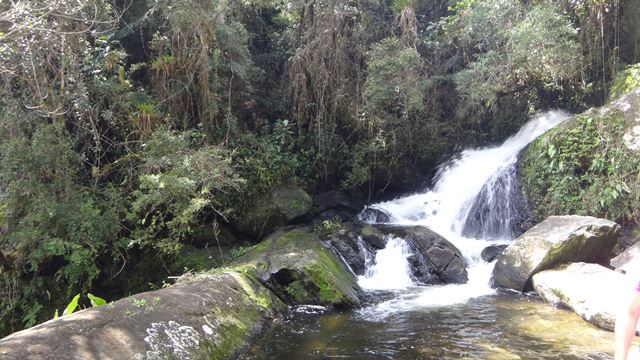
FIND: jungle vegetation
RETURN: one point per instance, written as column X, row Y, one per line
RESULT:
column 126, row 125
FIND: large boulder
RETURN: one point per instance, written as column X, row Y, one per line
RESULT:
column 335, row 205
column 434, row 260
column 628, row 260
column 556, row 240
column 277, row 208
column 211, row 316
column 590, row 290
column 298, row 267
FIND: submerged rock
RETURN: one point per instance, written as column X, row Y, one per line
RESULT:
column 300, row 269
column 491, row 252
column 435, row 259
column 277, row 208
column 212, row 316
column 557, row 240
column 590, row 290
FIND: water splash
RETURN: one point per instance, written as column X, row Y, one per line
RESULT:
column 389, row 270
column 473, row 204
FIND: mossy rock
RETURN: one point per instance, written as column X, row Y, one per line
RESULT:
column 274, row 209
column 299, row 268
column 588, row 165
column 213, row 316
column 626, row 81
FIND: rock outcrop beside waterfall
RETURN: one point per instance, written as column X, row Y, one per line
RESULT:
column 557, row 240
column 434, row 260
column 207, row 316
column 591, row 290
column 299, row 268
column 276, row 208
column 587, row 165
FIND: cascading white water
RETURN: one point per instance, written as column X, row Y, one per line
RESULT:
column 390, row 271
column 472, row 205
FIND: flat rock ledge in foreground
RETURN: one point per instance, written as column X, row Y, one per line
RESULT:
column 207, row 318
column 556, row 240
column 590, row 290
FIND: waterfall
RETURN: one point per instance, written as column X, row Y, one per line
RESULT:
column 475, row 202
column 390, row 270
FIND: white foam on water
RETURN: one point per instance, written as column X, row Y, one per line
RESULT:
column 445, row 209
column 390, row 268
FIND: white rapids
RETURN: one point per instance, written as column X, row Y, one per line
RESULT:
column 445, row 209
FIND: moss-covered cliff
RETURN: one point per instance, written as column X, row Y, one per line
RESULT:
column 589, row 165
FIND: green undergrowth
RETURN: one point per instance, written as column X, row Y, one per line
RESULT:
column 625, row 81
column 583, row 167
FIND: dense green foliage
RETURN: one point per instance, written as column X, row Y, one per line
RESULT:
column 128, row 126
column 584, row 168
column 625, row 81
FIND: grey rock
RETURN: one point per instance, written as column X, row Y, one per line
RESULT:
column 556, row 240
column 590, row 290
column 491, row 252
column 629, row 258
column 213, row 317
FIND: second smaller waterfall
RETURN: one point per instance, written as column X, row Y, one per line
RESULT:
column 389, row 270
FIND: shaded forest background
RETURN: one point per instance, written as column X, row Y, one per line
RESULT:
column 128, row 125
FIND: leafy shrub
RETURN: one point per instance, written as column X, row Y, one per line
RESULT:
column 584, row 168
column 625, row 81
column 58, row 228
column 178, row 185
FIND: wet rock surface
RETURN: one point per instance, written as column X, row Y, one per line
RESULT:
column 557, row 240
column 434, row 260
column 375, row 216
column 591, row 290
column 491, row 252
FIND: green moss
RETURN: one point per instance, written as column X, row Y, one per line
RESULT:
column 583, row 167
column 237, row 323
column 625, row 81
column 297, row 292
column 368, row 230
column 319, row 277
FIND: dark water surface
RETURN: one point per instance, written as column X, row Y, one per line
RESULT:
column 503, row 326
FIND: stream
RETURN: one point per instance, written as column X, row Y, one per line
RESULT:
column 475, row 202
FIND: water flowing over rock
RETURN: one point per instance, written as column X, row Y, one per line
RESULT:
column 374, row 216
column 592, row 291
column 557, row 240
column 499, row 209
column 435, row 259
